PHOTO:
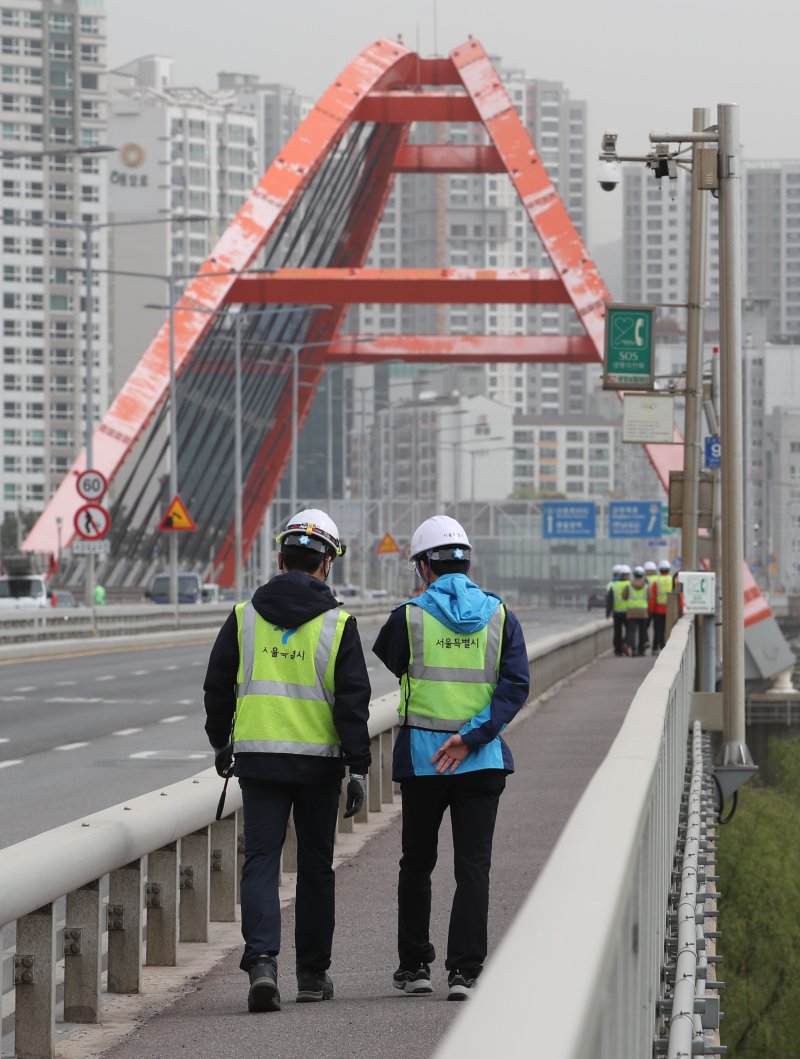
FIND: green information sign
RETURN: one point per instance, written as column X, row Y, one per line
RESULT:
column 629, row 353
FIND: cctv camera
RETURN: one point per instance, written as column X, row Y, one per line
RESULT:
column 609, row 175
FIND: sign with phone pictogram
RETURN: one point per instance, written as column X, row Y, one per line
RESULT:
column 629, row 347
column 92, row 522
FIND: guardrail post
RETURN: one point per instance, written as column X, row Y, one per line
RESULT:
column 35, row 984
column 161, row 899
column 194, row 886
column 83, row 935
column 374, row 776
column 385, row 766
column 222, row 889
column 125, row 929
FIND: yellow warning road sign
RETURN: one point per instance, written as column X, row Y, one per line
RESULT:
column 388, row 545
column 177, row 517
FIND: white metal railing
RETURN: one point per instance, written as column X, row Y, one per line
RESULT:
column 165, row 861
column 579, row 969
column 53, row 623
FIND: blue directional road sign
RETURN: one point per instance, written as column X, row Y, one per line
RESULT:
column 713, row 452
column 561, row 519
column 634, row 518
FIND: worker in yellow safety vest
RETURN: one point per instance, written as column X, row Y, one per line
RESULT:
column 463, row 666
column 617, row 608
column 636, row 611
column 287, row 703
column 659, row 591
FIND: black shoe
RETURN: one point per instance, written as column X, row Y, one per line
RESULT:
column 460, row 985
column 414, row 980
column 313, row 986
column 264, row 995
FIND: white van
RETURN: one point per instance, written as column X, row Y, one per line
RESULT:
column 24, row 592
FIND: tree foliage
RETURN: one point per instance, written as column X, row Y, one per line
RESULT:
column 759, row 870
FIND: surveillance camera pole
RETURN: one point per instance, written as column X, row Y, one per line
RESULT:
column 737, row 764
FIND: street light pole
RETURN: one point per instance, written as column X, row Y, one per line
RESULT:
column 88, row 228
column 237, row 472
column 735, row 751
column 173, row 449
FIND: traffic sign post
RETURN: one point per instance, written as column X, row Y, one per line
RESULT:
column 388, row 545
column 629, row 362
column 91, row 485
column 713, row 452
column 177, row 518
column 569, row 520
column 634, row 518
column 92, row 522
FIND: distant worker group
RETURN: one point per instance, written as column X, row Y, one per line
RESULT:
column 636, row 599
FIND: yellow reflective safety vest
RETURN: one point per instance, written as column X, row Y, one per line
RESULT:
column 451, row 676
column 664, row 583
column 638, row 602
column 285, row 689
column 619, row 605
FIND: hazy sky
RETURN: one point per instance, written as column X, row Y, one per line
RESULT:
column 639, row 64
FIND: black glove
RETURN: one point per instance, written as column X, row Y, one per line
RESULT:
column 223, row 760
column 356, row 793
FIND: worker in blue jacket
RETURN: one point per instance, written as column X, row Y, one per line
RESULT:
column 463, row 666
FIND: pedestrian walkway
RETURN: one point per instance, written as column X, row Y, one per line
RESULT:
column 556, row 748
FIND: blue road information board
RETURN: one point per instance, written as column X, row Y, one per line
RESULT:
column 562, row 518
column 713, row 452
column 634, row 518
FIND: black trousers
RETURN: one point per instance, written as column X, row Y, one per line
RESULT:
column 620, row 631
column 472, row 799
column 637, row 628
column 266, row 813
column 659, row 630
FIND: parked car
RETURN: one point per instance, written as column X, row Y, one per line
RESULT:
column 64, row 598
column 597, row 596
column 24, row 592
column 190, row 588
column 211, row 592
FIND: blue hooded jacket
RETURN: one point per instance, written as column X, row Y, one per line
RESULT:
column 462, row 607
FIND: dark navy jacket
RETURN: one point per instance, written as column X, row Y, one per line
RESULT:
column 290, row 600
column 414, row 747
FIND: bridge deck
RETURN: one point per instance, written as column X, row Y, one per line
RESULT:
column 556, row 750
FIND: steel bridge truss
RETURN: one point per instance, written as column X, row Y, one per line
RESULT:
column 300, row 243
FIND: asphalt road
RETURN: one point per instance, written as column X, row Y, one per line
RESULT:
column 83, row 731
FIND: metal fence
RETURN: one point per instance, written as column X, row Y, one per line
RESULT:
column 580, row 966
column 149, row 873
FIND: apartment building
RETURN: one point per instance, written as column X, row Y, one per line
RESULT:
column 184, row 152
column 52, row 74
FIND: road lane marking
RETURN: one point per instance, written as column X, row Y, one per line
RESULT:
column 184, row 702
column 66, row 683
column 70, row 746
column 127, row 731
column 31, row 688
column 107, row 676
column 140, row 673
column 171, row 755
column 172, row 720
column 171, row 667
column 3, row 740
column 8, row 764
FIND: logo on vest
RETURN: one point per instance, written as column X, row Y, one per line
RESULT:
column 286, row 634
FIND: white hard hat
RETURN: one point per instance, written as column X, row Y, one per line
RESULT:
column 616, row 569
column 650, row 566
column 638, row 571
column 625, row 569
column 665, row 566
column 312, row 528
column 438, row 532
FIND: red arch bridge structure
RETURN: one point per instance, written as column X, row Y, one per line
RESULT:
column 302, row 240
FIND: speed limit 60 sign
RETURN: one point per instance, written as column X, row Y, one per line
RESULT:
column 91, row 485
